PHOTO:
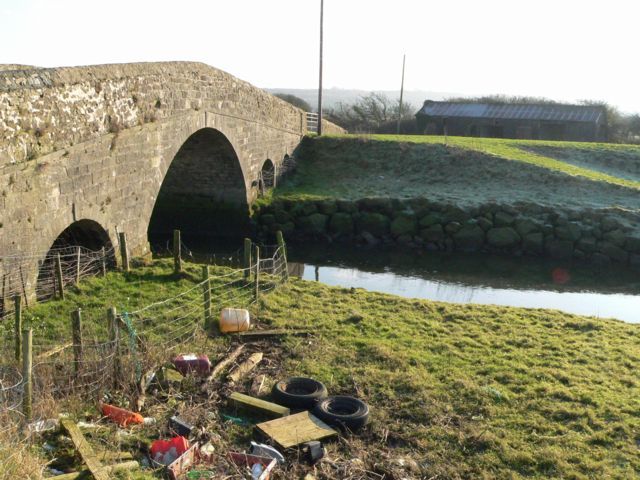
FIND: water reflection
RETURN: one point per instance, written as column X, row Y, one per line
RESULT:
column 458, row 278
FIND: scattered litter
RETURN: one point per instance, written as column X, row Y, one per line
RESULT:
column 87, row 425
column 234, row 320
column 165, row 452
column 206, row 452
column 179, row 468
column 257, row 406
column 54, row 471
column 236, row 420
column 263, row 450
column 249, row 461
column 342, row 411
column 180, row 427
column 192, row 363
column 44, row 425
column 314, row 451
column 121, row 416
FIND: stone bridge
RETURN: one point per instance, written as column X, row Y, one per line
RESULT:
column 87, row 152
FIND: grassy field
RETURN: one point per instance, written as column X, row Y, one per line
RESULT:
column 467, row 171
column 457, row 392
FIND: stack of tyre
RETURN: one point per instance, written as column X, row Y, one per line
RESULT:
column 347, row 413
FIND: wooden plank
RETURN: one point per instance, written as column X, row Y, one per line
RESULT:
column 295, row 429
column 245, row 367
column 85, row 450
column 108, row 470
column 255, row 405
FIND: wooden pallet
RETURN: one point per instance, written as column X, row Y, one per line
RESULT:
column 295, row 429
column 257, row 406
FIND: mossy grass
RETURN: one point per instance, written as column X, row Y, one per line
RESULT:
column 466, row 391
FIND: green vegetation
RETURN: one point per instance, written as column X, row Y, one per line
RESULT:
column 464, row 391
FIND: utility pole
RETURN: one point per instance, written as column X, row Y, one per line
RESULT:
column 401, row 94
column 320, row 80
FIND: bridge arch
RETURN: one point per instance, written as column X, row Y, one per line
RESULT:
column 204, row 190
column 267, row 178
column 80, row 242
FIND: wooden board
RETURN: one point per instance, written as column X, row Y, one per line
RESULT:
column 255, row 405
column 255, row 335
column 295, row 429
column 84, row 449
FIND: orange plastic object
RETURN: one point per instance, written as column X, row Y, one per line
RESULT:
column 160, row 448
column 121, row 416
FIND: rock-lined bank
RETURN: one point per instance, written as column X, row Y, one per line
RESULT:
column 600, row 236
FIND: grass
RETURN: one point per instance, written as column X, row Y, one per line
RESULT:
column 465, row 171
column 463, row 391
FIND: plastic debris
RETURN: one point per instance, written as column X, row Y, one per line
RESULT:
column 180, row 427
column 121, row 416
column 166, row 452
column 256, row 471
column 192, row 363
column 314, row 451
column 263, row 450
column 44, row 425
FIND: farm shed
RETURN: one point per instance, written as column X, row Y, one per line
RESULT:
column 535, row 121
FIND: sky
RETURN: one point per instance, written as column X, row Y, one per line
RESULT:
column 565, row 50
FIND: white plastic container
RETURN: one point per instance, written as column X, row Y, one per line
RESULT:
column 234, row 320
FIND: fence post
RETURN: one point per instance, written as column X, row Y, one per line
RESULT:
column 257, row 280
column 77, row 265
column 247, row 258
column 17, row 309
column 206, row 286
column 76, row 329
column 114, row 337
column 103, row 255
column 59, row 278
column 27, row 371
column 124, row 251
column 177, row 254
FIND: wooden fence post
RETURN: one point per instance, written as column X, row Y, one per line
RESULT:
column 59, row 278
column 257, row 279
column 103, row 255
column 247, row 258
column 17, row 310
column 76, row 329
column 27, row 371
column 78, row 265
column 124, row 251
column 114, row 337
column 177, row 254
column 206, row 287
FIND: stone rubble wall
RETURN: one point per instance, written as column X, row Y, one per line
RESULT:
column 599, row 236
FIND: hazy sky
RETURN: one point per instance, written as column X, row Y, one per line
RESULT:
column 561, row 49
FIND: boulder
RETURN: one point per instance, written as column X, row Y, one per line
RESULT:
column 341, row 223
column 533, row 243
column 431, row 219
column 614, row 252
column 608, row 223
column 600, row 259
column 369, row 239
column 327, row 207
column 434, row 233
column 314, row 224
column 569, row 231
column 503, row 237
column 282, row 216
column 380, row 205
column 469, row 238
column 404, row 224
column 634, row 260
column 374, row 223
column 560, row 249
column 484, row 223
column 617, row 237
column 503, row 219
column 587, row 244
column 452, row 227
column 526, row 226
column 633, row 244
column 347, row 206
column 309, row 208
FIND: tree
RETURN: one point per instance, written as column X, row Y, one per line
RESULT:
column 295, row 101
column 373, row 113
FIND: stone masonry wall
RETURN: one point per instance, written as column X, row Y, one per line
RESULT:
column 522, row 229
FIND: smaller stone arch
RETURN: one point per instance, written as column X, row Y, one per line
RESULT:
column 267, row 178
column 80, row 246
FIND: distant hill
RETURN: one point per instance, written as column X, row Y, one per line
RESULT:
column 332, row 96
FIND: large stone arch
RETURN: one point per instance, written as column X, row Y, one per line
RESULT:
column 204, row 191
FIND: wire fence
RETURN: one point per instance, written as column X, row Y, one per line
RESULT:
column 116, row 354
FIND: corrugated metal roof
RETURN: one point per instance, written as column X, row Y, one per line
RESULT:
column 561, row 113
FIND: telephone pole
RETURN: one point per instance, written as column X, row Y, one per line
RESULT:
column 401, row 94
column 320, row 80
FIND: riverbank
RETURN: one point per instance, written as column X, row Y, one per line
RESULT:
column 469, row 194
column 456, row 391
